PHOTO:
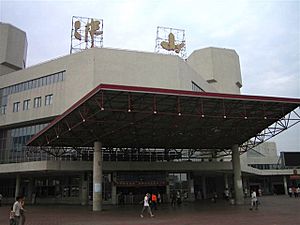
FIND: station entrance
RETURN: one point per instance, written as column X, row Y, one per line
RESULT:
column 208, row 125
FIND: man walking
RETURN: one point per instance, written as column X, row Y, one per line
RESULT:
column 254, row 200
column 17, row 207
column 146, row 205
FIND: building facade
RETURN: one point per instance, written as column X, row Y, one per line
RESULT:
column 32, row 97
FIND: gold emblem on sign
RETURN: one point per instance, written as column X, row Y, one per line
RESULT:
column 91, row 29
column 170, row 44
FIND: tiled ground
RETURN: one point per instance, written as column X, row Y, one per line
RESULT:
column 274, row 210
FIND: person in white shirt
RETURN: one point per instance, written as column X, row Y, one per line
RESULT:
column 17, row 207
column 146, row 205
column 297, row 192
column 290, row 191
column 254, row 200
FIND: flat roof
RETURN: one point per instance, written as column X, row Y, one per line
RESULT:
column 142, row 117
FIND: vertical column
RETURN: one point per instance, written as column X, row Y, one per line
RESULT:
column 191, row 196
column 226, row 181
column 168, row 193
column 84, row 188
column 114, row 199
column 18, row 183
column 97, row 177
column 30, row 190
column 204, row 187
column 237, row 175
column 285, row 185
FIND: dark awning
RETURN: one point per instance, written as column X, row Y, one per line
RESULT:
column 140, row 117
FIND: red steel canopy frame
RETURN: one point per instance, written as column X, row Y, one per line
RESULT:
column 140, row 117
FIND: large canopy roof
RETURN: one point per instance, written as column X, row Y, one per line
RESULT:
column 141, row 117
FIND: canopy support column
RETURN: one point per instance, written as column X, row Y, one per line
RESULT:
column 97, row 177
column 237, row 175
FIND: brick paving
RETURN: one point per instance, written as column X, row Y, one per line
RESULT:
column 274, row 210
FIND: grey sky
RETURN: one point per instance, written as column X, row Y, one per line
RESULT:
column 265, row 34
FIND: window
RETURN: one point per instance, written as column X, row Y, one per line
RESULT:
column 61, row 76
column 196, row 87
column 37, row 102
column 16, row 107
column 48, row 99
column 26, row 104
column 3, row 109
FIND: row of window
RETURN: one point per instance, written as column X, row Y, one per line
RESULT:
column 265, row 166
column 37, row 102
column 35, row 83
column 23, row 86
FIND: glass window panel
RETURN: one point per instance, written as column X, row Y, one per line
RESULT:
column 39, row 82
column 5, row 91
column 16, row 106
column 25, row 86
column 34, row 83
column 49, row 80
column 61, row 77
column 37, row 102
column 44, row 81
column 56, row 77
column 48, row 99
column 30, row 84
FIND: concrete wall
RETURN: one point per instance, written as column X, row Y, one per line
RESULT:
column 145, row 69
column 86, row 70
column 13, row 48
column 219, row 67
column 265, row 153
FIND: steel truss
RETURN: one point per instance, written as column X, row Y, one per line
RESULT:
column 120, row 116
column 127, row 154
column 289, row 120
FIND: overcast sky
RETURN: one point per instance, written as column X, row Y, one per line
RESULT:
column 265, row 34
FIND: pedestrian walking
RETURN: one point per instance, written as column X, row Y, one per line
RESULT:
column 154, row 201
column 254, row 200
column 158, row 198
column 259, row 192
column 297, row 192
column 290, row 191
column 17, row 206
column 146, row 205
column 215, row 197
column 178, row 198
column 173, row 199
column 246, row 192
column 226, row 194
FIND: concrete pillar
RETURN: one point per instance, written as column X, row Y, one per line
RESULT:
column 18, row 183
column 84, row 189
column 226, row 181
column 204, row 187
column 285, row 185
column 168, row 193
column 191, row 194
column 30, row 190
column 97, row 177
column 237, row 175
column 114, row 199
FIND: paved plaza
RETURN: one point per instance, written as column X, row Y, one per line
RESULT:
column 274, row 210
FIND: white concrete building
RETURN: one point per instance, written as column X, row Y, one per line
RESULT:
column 30, row 98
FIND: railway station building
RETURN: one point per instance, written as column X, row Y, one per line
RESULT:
column 105, row 126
